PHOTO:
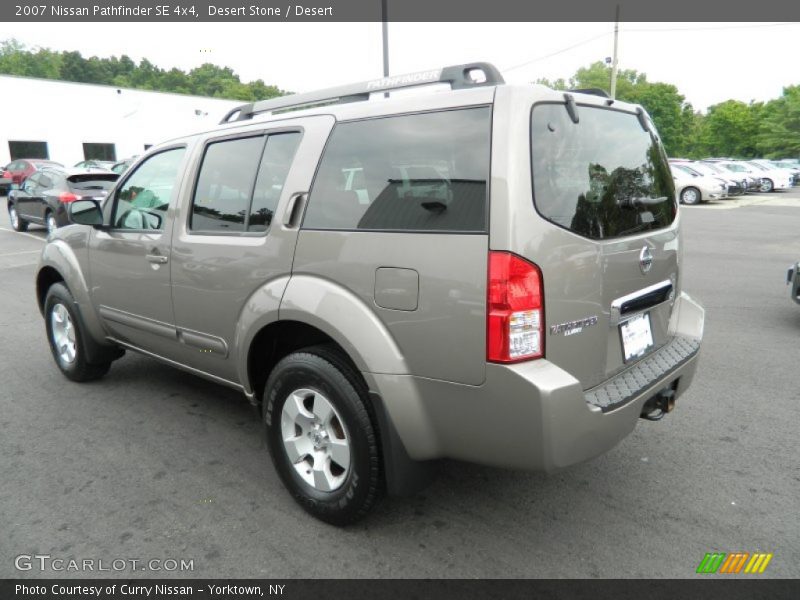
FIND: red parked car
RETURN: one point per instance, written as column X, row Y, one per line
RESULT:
column 19, row 170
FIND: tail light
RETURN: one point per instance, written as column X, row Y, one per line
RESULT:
column 515, row 309
column 67, row 197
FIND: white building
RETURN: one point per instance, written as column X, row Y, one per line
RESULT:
column 69, row 122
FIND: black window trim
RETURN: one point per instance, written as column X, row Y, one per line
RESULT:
column 653, row 135
column 489, row 105
column 111, row 207
column 198, row 166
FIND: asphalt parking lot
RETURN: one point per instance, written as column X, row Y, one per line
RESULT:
column 151, row 462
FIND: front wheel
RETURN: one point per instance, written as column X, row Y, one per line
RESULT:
column 66, row 336
column 320, row 435
column 767, row 185
column 17, row 224
column 50, row 222
column 690, row 196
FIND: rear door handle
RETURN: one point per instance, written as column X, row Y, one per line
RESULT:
column 294, row 211
column 157, row 259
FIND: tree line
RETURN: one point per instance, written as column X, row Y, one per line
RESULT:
column 205, row 80
column 731, row 128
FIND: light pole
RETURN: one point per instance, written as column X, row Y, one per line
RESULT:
column 384, row 19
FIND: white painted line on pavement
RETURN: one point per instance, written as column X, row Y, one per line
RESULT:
column 6, row 268
column 35, row 237
column 18, row 253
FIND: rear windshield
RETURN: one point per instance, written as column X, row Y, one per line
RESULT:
column 603, row 177
column 94, row 181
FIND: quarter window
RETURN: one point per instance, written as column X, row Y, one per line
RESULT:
column 420, row 172
column 143, row 200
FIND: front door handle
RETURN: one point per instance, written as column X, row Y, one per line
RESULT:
column 157, row 259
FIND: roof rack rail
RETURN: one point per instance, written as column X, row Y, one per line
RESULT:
column 591, row 92
column 458, row 76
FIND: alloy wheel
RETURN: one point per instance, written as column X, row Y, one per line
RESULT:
column 315, row 440
column 63, row 331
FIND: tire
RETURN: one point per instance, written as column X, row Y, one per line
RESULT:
column 50, row 222
column 690, row 195
column 766, row 186
column 316, row 401
column 17, row 224
column 66, row 335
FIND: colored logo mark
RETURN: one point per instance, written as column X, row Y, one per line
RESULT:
column 734, row 562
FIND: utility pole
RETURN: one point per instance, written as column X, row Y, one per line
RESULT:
column 613, row 90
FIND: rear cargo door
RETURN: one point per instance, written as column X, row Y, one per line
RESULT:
column 602, row 226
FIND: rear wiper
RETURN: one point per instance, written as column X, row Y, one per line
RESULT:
column 638, row 201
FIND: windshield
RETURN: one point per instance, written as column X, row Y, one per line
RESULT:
column 603, row 177
column 734, row 167
column 687, row 170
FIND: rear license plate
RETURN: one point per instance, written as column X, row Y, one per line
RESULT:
column 637, row 336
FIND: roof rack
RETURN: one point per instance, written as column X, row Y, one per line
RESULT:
column 591, row 92
column 458, row 76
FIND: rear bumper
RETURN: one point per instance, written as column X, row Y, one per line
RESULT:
column 535, row 415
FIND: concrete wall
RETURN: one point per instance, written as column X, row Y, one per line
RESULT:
column 65, row 115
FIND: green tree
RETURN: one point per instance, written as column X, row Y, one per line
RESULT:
column 779, row 128
column 730, row 129
column 673, row 116
column 206, row 80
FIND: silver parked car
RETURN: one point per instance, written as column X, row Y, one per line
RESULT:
column 692, row 187
column 491, row 274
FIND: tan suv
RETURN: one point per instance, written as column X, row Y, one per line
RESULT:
column 491, row 273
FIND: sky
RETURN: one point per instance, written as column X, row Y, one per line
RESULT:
column 708, row 62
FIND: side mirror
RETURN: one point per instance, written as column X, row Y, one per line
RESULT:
column 85, row 212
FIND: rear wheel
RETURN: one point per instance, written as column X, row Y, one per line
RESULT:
column 50, row 222
column 17, row 224
column 320, row 435
column 66, row 335
column 690, row 195
column 767, row 185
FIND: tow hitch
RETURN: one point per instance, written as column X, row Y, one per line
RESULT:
column 659, row 405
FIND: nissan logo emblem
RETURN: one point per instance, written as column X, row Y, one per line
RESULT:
column 645, row 259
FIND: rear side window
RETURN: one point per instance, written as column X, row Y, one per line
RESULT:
column 277, row 159
column 603, row 177
column 421, row 172
column 222, row 194
column 240, row 183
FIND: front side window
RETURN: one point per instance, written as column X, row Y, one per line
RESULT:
column 143, row 199
column 419, row 172
column 603, row 177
